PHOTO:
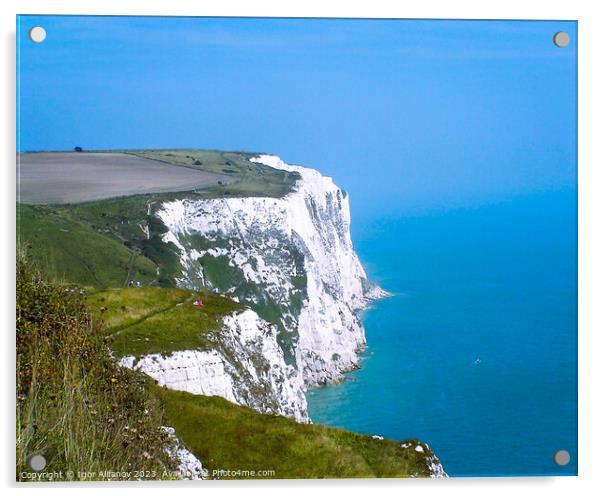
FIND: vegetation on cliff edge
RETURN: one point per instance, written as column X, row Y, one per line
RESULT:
column 141, row 321
column 233, row 438
column 75, row 406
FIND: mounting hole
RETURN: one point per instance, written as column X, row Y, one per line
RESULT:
column 562, row 457
column 562, row 39
column 37, row 462
column 37, row 34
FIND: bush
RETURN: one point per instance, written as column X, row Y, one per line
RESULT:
column 75, row 406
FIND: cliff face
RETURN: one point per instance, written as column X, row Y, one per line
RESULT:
column 291, row 260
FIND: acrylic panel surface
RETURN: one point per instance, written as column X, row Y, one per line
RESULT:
column 189, row 305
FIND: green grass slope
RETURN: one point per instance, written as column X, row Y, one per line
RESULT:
column 130, row 222
column 233, row 438
column 142, row 321
column 72, row 250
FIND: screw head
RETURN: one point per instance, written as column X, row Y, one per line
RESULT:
column 562, row 457
column 37, row 34
column 562, row 39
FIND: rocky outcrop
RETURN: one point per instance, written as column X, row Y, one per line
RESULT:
column 189, row 466
column 246, row 367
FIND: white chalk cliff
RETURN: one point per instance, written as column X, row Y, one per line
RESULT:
column 291, row 260
column 246, row 367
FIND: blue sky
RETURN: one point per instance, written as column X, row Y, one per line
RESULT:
column 405, row 115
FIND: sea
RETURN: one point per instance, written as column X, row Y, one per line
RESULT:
column 475, row 351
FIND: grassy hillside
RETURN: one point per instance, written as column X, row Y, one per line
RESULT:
column 141, row 321
column 67, row 248
column 230, row 437
column 75, row 406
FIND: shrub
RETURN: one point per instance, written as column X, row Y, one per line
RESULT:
column 75, row 405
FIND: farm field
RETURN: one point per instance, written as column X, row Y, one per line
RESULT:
column 71, row 177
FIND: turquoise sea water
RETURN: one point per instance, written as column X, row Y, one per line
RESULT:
column 497, row 283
